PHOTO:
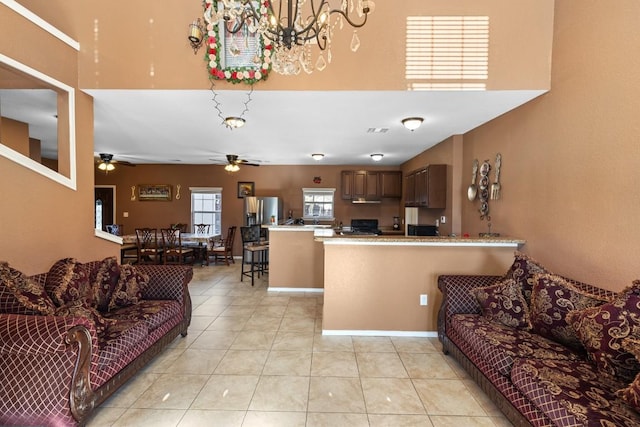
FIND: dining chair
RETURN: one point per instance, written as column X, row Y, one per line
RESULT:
column 173, row 250
column 201, row 228
column 254, row 253
column 179, row 226
column 224, row 250
column 149, row 251
column 116, row 229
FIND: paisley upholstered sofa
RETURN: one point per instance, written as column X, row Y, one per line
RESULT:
column 72, row 336
column 549, row 351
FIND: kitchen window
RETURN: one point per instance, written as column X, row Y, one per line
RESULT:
column 318, row 204
column 206, row 207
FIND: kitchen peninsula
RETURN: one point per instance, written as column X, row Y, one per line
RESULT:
column 373, row 284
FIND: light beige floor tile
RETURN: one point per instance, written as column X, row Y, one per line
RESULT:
column 200, row 323
column 489, row 407
column 332, row 343
column 334, row 364
column 209, row 310
column 185, row 342
column 242, row 362
column 380, row 365
column 274, row 300
column 131, row 391
column 216, row 291
column 162, row 363
column 301, row 310
column 456, row 421
column 194, row 361
column 270, row 310
column 228, row 323
column 274, row 419
column 150, row 417
column 334, row 420
column 227, row 392
column 413, row 345
column 427, row 365
column 214, row 340
column 170, row 391
column 280, row 393
column 373, row 344
column 200, row 418
column 447, row 397
column 295, row 341
column 501, row 421
column 391, row 396
column 300, row 324
column 263, row 323
column 401, row 421
column 303, row 300
column 246, row 299
column 105, row 416
column 238, row 310
column 219, row 300
column 253, row 340
column 459, row 370
column 332, row 394
column 288, row 363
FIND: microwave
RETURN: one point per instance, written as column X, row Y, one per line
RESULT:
column 422, row 230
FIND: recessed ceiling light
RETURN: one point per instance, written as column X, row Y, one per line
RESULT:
column 317, row 156
column 412, row 123
column 377, row 157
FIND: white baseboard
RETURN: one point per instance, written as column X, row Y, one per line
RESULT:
column 317, row 290
column 419, row 334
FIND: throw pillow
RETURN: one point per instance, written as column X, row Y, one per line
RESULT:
column 129, row 288
column 601, row 330
column 503, row 302
column 76, row 309
column 631, row 394
column 21, row 295
column 552, row 298
column 522, row 271
column 104, row 279
column 68, row 281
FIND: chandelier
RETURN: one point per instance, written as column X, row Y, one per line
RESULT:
column 292, row 26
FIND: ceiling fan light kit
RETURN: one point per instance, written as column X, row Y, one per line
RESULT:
column 412, row 123
column 232, row 168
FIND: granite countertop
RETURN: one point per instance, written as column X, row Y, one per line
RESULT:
column 504, row 241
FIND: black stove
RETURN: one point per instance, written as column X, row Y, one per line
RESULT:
column 365, row 227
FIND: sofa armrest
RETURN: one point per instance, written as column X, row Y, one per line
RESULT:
column 457, row 298
column 45, row 365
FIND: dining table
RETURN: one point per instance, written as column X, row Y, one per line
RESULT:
column 197, row 241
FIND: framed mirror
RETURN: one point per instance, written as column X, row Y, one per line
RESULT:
column 37, row 122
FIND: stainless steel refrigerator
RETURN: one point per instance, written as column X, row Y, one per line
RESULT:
column 262, row 210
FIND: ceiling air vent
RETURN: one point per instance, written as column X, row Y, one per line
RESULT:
column 377, row 130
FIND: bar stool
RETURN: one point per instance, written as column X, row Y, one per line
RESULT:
column 259, row 252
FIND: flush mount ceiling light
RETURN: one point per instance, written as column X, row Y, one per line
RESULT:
column 317, row 156
column 234, row 122
column 412, row 123
column 377, row 157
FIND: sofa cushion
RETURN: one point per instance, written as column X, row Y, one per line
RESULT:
column 631, row 393
column 601, row 330
column 503, row 302
column 522, row 271
column 153, row 312
column 573, row 393
column 104, row 278
column 21, row 295
column 501, row 345
column 68, row 281
column 76, row 309
column 552, row 298
column 129, row 288
column 118, row 343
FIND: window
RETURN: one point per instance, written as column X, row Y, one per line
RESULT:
column 206, row 208
column 318, row 203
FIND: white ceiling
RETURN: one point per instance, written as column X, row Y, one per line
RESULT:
column 286, row 127
column 283, row 127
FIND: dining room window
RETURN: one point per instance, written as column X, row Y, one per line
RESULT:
column 206, row 207
column 318, row 203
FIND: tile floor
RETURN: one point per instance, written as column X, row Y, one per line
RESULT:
column 258, row 358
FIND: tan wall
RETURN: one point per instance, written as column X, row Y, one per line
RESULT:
column 296, row 260
column 120, row 48
column 42, row 221
column 285, row 182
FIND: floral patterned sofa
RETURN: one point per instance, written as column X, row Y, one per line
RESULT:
column 549, row 351
column 70, row 337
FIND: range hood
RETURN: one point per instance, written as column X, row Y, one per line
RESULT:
column 364, row 200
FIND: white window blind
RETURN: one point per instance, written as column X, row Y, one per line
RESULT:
column 318, row 203
column 206, row 207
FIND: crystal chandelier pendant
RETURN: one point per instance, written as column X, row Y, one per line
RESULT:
column 329, row 56
column 321, row 64
column 355, row 41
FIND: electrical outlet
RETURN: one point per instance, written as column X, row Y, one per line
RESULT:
column 443, row 219
column 423, row 299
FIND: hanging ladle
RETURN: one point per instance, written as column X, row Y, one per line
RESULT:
column 472, row 191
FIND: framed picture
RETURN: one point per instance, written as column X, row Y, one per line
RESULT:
column 161, row 192
column 246, row 189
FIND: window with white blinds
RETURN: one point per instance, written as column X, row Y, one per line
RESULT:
column 447, row 52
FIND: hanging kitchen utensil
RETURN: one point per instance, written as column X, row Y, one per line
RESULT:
column 484, row 190
column 472, row 191
column 495, row 187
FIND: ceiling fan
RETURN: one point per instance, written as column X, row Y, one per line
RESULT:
column 234, row 162
column 106, row 162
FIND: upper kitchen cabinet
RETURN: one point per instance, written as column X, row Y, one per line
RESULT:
column 427, row 187
column 365, row 185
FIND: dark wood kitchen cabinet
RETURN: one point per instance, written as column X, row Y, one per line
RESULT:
column 427, row 187
column 346, row 184
column 370, row 185
column 391, row 184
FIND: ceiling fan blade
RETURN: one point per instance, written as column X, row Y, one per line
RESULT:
column 122, row 163
column 249, row 164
